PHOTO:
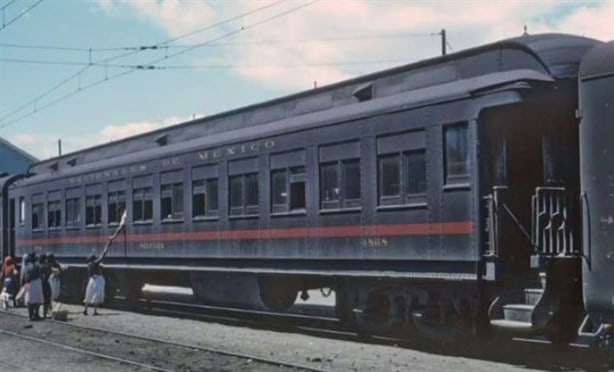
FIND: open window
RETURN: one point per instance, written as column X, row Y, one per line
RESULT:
column 116, row 201
column 38, row 212
column 171, row 196
column 288, row 182
column 205, row 198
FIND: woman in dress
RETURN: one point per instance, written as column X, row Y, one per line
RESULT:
column 54, row 278
column 94, row 293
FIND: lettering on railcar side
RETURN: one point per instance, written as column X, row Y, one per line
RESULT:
column 240, row 149
column 152, row 246
column 375, row 242
column 171, row 162
column 108, row 174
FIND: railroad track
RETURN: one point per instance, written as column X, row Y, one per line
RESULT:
column 140, row 351
column 537, row 354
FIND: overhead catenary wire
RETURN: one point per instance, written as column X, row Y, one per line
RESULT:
column 219, row 45
column 200, row 67
column 24, row 12
column 78, row 73
column 7, row 5
column 4, row 124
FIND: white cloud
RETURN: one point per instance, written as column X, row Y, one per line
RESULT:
column 295, row 65
column 46, row 146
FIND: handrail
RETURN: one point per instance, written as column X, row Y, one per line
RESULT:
column 587, row 212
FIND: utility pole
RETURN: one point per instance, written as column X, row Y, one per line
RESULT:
column 443, row 41
column 59, row 147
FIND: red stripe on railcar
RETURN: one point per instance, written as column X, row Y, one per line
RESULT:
column 444, row 228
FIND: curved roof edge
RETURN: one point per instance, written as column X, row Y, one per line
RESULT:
column 558, row 54
column 598, row 61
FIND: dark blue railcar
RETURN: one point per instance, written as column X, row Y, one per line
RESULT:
column 436, row 195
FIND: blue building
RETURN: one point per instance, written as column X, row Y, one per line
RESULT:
column 12, row 159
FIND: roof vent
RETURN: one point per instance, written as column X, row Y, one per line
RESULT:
column 364, row 92
column 162, row 140
column 72, row 162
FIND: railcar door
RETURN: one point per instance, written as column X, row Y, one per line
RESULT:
column 510, row 167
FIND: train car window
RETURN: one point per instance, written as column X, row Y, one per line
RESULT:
column 456, row 150
column 401, row 168
column 142, row 204
column 22, row 210
column 116, row 201
column 251, row 193
column 389, row 179
column 38, row 212
column 54, row 210
column 288, row 190
column 340, row 184
column 116, row 205
column 93, row 205
column 351, row 183
column 73, row 207
column 205, row 191
column 415, row 172
column 244, row 193
column 204, row 198
column 171, row 201
column 330, row 192
column 171, row 195
column 279, row 191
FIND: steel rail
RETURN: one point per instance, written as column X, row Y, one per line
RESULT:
column 184, row 345
column 83, row 351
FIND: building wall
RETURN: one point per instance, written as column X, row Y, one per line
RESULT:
column 12, row 159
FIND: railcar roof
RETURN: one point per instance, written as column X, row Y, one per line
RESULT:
column 598, row 61
column 557, row 55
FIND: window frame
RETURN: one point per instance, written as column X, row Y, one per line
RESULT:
column 72, row 204
column 243, row 209
column 404, row 197
column 292, row 175
column 341, row 202
column 456, row 179
column 172, row 189
column 142, row 196
column 207, row 186
column 39, row 206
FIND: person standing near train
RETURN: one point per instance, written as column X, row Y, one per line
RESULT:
column 54, row 277
column 94, row 293
column 45, row 272
column 34, row 287
column 9, row 277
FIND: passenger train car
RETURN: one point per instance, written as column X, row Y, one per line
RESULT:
column 446, row 197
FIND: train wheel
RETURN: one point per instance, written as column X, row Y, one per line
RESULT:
column 278, row 293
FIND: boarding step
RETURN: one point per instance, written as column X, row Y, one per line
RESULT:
column 532, row 295
column 518, row 312
column 511, row 325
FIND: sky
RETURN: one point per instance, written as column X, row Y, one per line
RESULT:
column 90, row 72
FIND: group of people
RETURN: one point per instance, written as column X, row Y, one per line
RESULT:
column 39, row 282
column 37, row 285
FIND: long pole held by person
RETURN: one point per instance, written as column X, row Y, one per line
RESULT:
column 122, row 223
column 94, row 293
